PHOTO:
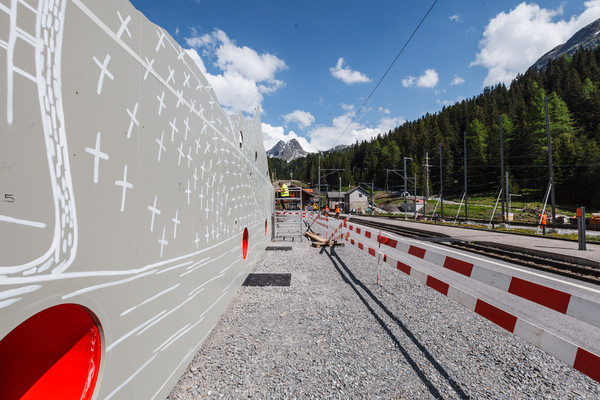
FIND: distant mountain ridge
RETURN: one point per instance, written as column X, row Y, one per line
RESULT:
column 587, row 38
column 287, row 151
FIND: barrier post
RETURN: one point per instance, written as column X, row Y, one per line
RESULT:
column 581, row 227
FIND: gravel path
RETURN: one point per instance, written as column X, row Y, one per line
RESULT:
column 334, row 334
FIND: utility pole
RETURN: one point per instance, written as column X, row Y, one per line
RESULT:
column 502, row 166
column 550, row 160
column 426, row 183
column 405, row 177
column 319, row 183
column 465, row 152
column 441, row 183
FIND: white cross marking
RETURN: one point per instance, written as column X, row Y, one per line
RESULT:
column 181, row 54
column 207, row 234
column 181, row 154
column 212, row 104
column 197, row 240
column 195, row 177
column 203, row 131
column 161, row 103
column 200, row 85
column 133, row 119
column 189, row 158
column 124, row 24
column 176, row 222
column 187, row 127
column 125, row 185
column 192, row 106
column 161, row 147
column 154, row 211
column 148, row 68
column 186, row 81
column 162, row 242
column 97, row 156
column 201, row 110
column 171, row 73
column 179, row 97
column 161, row 38
column 103, row 71
column 188, row 192
column 203, row 170
column 173, row 129
column 198, row 147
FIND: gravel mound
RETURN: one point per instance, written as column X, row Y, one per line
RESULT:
column 334, row 334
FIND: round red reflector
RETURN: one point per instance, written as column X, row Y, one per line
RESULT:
column 245, row 244
column 55, row 353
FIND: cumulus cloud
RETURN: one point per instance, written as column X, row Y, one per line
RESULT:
column 514, row 40
column 456, row 18
column 429, row 79
column 346, row 75
column 273, row 134
column 302, row 118
column 384, row 110
column 325, row 136
column 457, row 80
column 245, row 75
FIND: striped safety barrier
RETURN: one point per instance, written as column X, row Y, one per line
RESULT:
column 582, row 309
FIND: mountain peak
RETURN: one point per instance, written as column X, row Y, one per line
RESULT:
column 587, row 37
column 287, row 151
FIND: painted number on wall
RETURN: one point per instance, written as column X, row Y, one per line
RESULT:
column 8, row 198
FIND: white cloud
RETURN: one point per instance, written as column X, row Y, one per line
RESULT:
column 324, row 137
column 302, row 118
column 408, row 81
column 456, row 18
column 384, row 110
column 513, row 41
column 457, row 80
column 273, row 134
column 346, row 75
column 245, row 75
column 429, row 79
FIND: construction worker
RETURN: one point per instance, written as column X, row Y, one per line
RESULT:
column 326, row 210
column 544, row 222
column 283, row 193
column 337, row 211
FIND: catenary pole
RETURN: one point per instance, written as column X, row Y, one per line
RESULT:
column 502, row 167
column 441, row 183
column 551, row 170
column 465, row 157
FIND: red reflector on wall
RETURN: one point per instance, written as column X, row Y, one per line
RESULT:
column 55, row 353
column 245, row 244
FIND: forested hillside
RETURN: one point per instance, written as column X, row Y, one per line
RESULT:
column 572, row 86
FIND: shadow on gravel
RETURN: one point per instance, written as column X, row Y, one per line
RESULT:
column 353, row 282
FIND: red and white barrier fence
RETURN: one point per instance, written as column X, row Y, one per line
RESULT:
column 557, row 300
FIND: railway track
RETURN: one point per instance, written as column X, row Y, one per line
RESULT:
column 515, row 255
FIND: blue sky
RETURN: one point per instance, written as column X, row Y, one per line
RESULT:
column 311, row 64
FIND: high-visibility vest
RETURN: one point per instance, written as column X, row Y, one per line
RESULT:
column 544, row 219
column 284, row 191
column 337, row 209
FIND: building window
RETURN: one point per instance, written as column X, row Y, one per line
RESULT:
column 360, row 195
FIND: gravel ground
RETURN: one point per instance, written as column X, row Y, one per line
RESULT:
column 333, row 334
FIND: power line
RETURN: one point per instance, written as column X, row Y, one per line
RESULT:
column 386, row 72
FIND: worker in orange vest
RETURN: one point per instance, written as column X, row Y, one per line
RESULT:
column 337, row 211
column 326, row 210
column 544, row 222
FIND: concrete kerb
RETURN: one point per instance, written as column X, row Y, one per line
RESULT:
column 582, row 309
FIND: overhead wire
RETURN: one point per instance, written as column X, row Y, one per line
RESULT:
column 386, row 72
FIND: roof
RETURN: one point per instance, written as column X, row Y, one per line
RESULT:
column 355, row 189
column 335, row 194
